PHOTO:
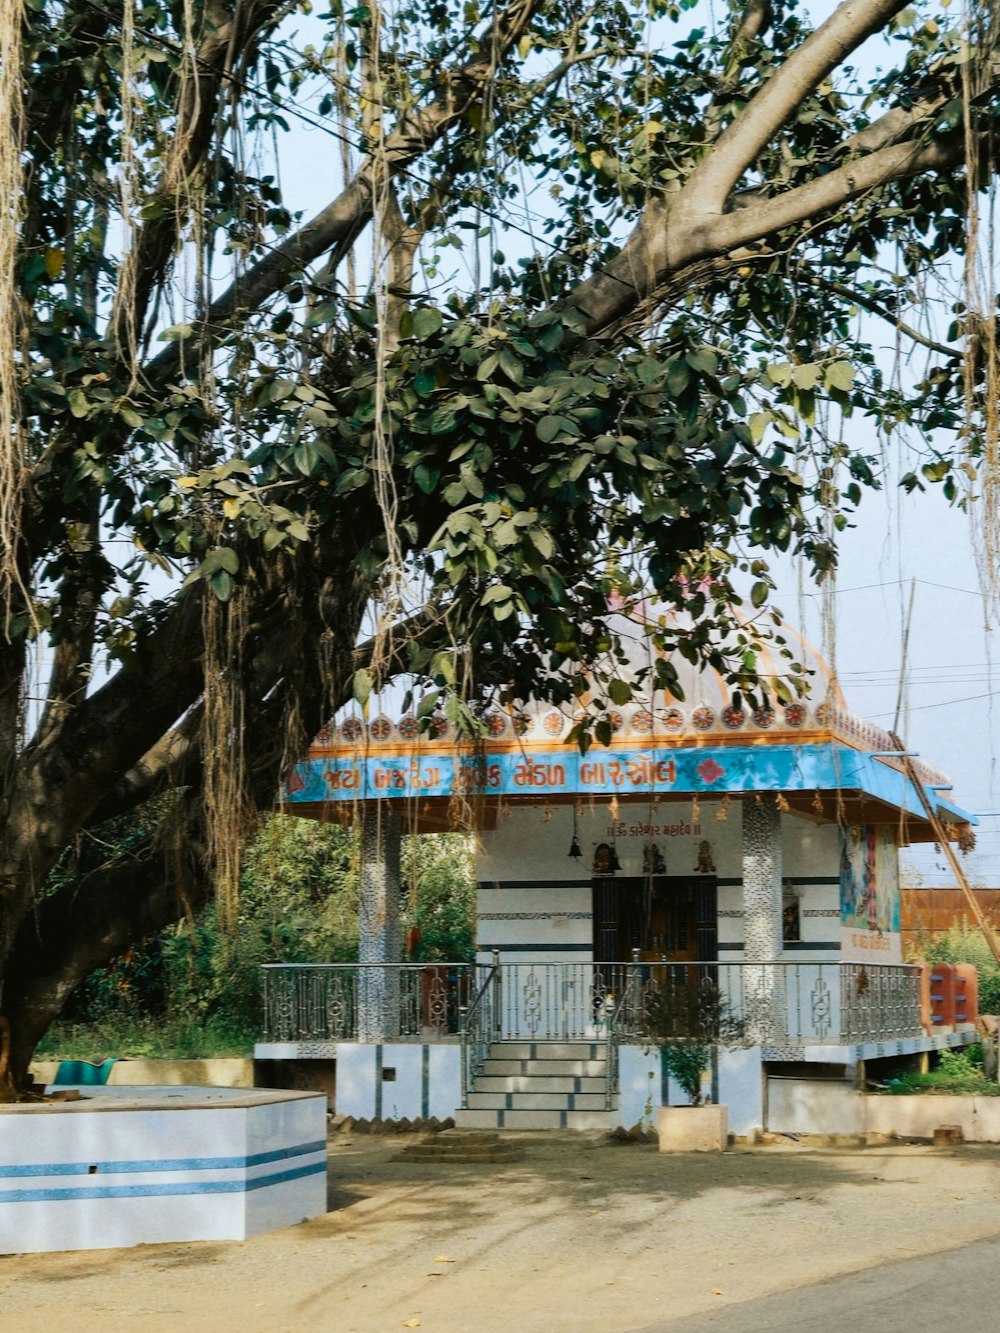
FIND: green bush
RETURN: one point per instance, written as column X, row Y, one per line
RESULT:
column 194, row 990
column 955, row 1071
column 687, row 1063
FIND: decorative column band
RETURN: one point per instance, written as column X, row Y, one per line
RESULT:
column 762, row 878
column 378, row 927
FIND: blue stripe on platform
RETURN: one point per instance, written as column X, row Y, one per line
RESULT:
column 153, row 1190
column 161, row 1164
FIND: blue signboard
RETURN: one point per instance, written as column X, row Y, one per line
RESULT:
column 646, row 771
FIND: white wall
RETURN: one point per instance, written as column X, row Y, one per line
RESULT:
column 126, row 1167
column 426, row 1082
column 533, row 895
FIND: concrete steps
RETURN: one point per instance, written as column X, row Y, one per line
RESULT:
column 539, row 1085
column 553, row 1119
column 452, row 1146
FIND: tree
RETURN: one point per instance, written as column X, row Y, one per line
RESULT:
column 241, row 484
column 195, row 989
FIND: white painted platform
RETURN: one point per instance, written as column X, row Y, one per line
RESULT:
column 128, row 1166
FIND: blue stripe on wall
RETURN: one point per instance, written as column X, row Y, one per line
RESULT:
column 151, row 1190
column 161, row 1164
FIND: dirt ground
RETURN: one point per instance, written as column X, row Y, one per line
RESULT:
column 580, row 1235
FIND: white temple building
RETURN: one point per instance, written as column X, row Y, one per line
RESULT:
column 710, row 849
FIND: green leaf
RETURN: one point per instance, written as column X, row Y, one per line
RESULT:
column 839, row 375
column 511, row 365
column 426, row 322
column 362, row 685
column 426, row 477
column 487, row 366
column 498, row 593
column 549, row 427
column 620, row 691
column 703, row 359
column 759, row 423
column 78, row 404
column 806, row 376
column 678, row 377
column 351, row 479
column 758, row 593
column 579, row 466
column 428, row 704
column 129, row 415
column 222, row 585
column 176, row 333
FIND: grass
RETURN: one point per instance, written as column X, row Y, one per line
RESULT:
column 145, row 1038
column 958, row 1072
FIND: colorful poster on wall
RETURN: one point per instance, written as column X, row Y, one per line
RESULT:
column 869, row 895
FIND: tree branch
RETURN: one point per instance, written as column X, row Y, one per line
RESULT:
column 222, row 34
column 824, row 194
column 714, row 179
column 877, row 308
column 336, row 227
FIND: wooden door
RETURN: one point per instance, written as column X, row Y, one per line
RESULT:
column 666, row 916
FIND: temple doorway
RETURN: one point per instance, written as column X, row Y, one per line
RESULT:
column 664, row 917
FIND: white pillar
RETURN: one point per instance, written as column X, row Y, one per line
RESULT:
column 763, row 995
column 378, row 927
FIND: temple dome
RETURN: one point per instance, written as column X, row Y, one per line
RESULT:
column 707, row 714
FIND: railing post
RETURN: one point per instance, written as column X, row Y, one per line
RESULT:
column 497, row 994
column 463, row 1045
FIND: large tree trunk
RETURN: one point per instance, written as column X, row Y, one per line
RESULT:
column 298, row 662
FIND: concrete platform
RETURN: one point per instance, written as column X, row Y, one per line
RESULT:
column 129, row 1166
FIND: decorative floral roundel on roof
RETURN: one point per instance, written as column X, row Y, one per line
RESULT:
column 763, row 717
column 825, row 714
column 381, row 728
column 408, row 727
column 642, row 721
column 673, row 720
column 351, row 729
column 324, row 735
column 703, row 718
column 522, row 723
column 496, row 723
column 616, row 719
column 733, row 717
column 553, row 722
column 795, row 715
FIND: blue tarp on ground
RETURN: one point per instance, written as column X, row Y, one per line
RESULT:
column 85, row 1072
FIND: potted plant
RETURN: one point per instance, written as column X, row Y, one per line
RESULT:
column 686, row 1018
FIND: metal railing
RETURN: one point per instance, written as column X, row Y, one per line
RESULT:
column 476, row 1024
column 329, row 1002
column 772, row 1004
column 776, row 1004
column 615, row 1011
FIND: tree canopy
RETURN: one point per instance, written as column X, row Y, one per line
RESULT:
column 593, row 296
